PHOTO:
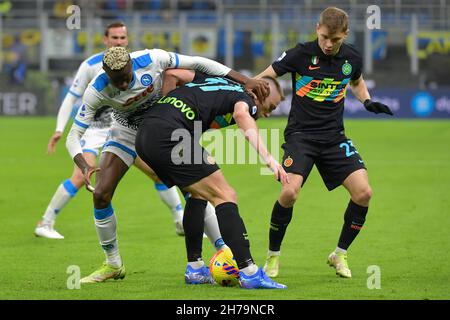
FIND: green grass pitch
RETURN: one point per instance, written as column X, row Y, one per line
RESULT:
column 406, row 233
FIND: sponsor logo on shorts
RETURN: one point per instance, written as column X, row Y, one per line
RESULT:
column 288, row 162
column 187, row 111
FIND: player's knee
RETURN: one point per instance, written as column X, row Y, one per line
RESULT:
column 289, row 196
column 229, row 195
column 102, row 197
column 363, row 196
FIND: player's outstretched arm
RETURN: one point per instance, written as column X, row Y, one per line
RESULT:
column 248, row 125
column 261, row 88
column 269, row 72
column 359, row 90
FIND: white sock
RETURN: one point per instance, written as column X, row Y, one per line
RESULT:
column 340, row 250
column 196, row 264
column 106, row 226
column 64, row 193
column 212, row 230
column 250, row 270
column 273, row 253
column 172, row 200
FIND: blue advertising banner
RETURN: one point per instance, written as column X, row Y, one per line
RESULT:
column 405, row 103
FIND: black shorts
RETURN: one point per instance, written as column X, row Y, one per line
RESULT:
column 335, row 160
column 181, row 162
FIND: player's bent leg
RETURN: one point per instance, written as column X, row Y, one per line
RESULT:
column 279, row 221
column 169, row 196
column 357, row 183
column 112, row 170
column 216, row 189
column 64, row 193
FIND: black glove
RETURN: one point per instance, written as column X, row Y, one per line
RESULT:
column 377, row 107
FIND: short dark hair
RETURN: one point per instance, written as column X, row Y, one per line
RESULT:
column 335, row 19
column 117, row 24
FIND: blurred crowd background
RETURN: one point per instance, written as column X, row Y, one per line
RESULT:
column 406, row 61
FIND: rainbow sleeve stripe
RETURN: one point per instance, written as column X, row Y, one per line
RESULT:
column 222, row 121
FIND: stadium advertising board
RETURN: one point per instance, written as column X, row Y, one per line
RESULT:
column 405, row 103
column 20, row 102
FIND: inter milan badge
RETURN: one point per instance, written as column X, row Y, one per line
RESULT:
column 288, row 162
column 146, row 80
column 346, row 68
column 315, row 60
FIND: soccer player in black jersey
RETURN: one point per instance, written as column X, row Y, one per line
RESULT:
column 206, row 102
column 321, row 71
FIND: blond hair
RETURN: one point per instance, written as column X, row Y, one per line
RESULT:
column 335, row 19
column 116, row 58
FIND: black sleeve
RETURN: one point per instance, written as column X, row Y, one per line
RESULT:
column 287, row 62
column 358, row 67
column 200, row 75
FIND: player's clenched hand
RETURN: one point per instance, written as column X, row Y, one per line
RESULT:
column 259, row 87
column 377, row 107
column 51, row 147
column 279, row 172
column 88, row 171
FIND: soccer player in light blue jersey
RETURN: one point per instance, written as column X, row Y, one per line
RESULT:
column 93, row 140
column 130, row 84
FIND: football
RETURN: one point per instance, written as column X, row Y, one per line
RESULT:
column 224, row 269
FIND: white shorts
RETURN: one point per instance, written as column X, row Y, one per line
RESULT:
column 94, row 139
column 121, row 142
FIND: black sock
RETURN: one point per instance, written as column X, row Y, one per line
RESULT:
column 278, row 224
column 354, row 219
column 193, row 224
column 234, row 233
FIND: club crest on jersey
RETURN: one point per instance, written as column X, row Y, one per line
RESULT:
column 346, row 68
column 315, row 60
column 288, row 162
column 146, row 80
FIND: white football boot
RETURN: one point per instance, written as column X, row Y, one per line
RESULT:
column 46, row 230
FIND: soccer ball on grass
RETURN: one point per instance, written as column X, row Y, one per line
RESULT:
column 223, row 268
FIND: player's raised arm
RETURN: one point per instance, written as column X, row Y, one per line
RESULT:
column 248, row 125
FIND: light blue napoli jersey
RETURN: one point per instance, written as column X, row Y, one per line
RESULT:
column 87, row 71
column 144, row 89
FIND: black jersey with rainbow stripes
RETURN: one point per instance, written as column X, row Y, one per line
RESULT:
column 209, row 99
column 319, row 84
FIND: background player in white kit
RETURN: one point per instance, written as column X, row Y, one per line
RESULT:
column 92, row 141
column 130, row 84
